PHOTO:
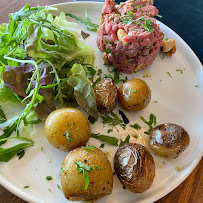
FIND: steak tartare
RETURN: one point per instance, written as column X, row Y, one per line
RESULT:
column 128, row 34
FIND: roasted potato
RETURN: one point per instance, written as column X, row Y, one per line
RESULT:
column 67, row 129
column 134, row 167
column 100, row 178
column 169, row 140
column 134, row 95
column 106, row 95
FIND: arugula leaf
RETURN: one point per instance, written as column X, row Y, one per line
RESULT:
column 7, row 133
column 7, row 153
column 9, row 122
column 125, row 141
column 89, row 25
column 89, row 147
column 105, row 138
column 27, row 186
column 2, row 115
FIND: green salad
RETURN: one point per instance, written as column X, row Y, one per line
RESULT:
column 45, row 64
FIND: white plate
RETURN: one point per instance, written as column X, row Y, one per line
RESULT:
column 179, row 101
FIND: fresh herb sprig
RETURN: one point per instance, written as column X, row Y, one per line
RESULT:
column 89, row 25
column 127, row 139
column 105, row 138
column 150, row 123
column 89, row 147
column 85, row 169
column 136, row 126
column 113, row 120
column 148, row 25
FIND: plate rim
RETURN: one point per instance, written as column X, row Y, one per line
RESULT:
column 28, row 197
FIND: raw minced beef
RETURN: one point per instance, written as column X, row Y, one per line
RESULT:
column 128, row 34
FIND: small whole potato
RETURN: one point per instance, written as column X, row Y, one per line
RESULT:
column 106, row 95
column 169, row 140
column 134, row 167
column 134, row 95
column 100, row 178
column 67, row 128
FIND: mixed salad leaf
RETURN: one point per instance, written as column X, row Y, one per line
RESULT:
column 45, row 64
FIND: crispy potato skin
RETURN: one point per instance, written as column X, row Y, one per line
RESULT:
column 134, row 95
column 169, row 140
column 106, row 95
column 67, row 120
column 134, row 167
column 101, row 181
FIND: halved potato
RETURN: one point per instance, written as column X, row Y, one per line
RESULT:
column 100, row 178
column 169, row 140
column 134, row 167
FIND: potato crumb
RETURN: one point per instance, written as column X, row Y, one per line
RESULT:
column 147, row 74
column 107, row 154
column 178, row 169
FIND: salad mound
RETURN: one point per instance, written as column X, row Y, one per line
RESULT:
column 45, row 64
